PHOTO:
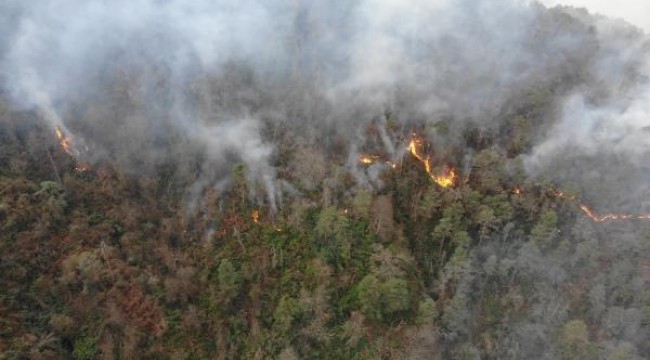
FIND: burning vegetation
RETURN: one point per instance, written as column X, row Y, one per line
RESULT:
column 227, row 219
column 446, row 177
column 67, row 145
column 65, row 141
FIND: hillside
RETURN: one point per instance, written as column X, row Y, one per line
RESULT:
column 346, row 187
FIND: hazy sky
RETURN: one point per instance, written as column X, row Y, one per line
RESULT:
column 636, row 12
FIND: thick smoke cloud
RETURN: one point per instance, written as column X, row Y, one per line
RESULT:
column 142, row 80
column 209, row 83
column 603, row 124
column 611, row 113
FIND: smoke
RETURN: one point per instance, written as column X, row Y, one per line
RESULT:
column 611, row 113
column 603, row 124
column 209, row 83
column 140, row 80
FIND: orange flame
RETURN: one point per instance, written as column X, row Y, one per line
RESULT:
column 66, row 144
column 366, row 159
column 255, row 215
column 611, row 217
column 64, row 141
column 590, row 213
column 446, row 179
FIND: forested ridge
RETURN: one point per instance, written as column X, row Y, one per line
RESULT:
column 98, row 263
column 125, row 235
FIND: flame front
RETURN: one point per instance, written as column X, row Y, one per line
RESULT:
column 255, row 215
column 66, row 144
column 611, row 217
column 446, row 179
column 590, row 213
column 64, row 141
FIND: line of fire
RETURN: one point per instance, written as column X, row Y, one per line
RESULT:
column 444, row 175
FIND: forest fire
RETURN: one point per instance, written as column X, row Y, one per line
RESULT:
column 82, row 167
column 590, row 213
column 64, row 141
column 66, row 144
column 446, row 179
column 255, row 215
column 611, row 217
column 367, row 159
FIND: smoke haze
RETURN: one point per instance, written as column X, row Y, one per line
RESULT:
column 172, row 77
column 207, row 84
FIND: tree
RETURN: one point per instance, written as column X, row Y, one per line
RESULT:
column 395, row 296
column 229, row 280
column 545, row 230
column 381, row 217
column 361, row 204
column 487, row 221
column 85, row 348
column 369, row 289
column 380, row 300
column 574, row 343
column 427, row 311
column 285, row 313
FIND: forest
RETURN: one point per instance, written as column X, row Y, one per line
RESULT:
column 457, row 191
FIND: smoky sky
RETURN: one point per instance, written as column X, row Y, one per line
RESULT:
column 140, row 81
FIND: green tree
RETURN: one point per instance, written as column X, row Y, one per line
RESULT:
column 395, row 296
column 545, row 230
column 574, row 342
column 229, row 280
column 427, row 312
column 369, row 289
column 381, row 299
column 285, row 313
column 85, row 348
column 361, row 204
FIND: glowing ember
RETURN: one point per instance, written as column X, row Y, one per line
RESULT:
column 516, row 191
column 563, row 195
column 255, row 215
column 448, row 176
column 82, row 167
column 367, row 159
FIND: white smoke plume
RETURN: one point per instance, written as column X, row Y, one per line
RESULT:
column 132, row 77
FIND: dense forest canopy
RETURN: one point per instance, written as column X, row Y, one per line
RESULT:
column 375, row 179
